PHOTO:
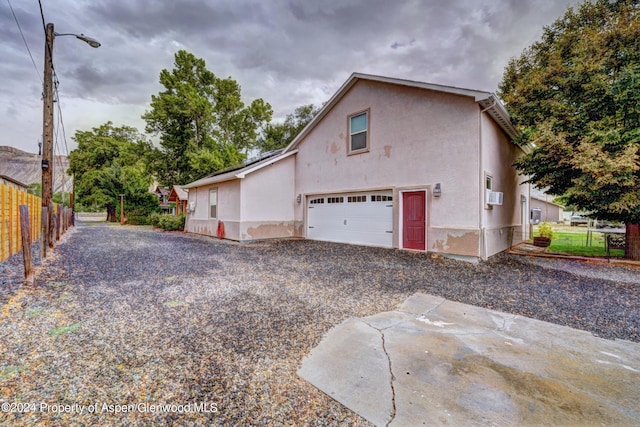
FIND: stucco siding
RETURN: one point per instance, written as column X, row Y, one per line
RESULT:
column 417, row 138
column 501, row 224
column 549, row 212
column 268, row 201
column 268, row 194
column 228, row 210
column 258, row 206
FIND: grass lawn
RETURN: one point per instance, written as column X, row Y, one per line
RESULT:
column 574, row 242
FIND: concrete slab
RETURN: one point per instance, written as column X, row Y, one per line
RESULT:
column 438, row 362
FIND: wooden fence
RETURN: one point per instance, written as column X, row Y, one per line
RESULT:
column 10, row 200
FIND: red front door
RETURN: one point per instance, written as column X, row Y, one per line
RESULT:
column 413, row 220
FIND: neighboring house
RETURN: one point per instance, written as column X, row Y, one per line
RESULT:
column 179, row 197
column 549, row 211
column 386, row 162
column 13, row 183
column 163, row 198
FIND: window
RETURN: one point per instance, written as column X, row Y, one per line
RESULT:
column 316, row 201
column 381, row 198
column 335, row 199
column 358, row 132
column 488, row 187
column 213, row 203
column 356, row 199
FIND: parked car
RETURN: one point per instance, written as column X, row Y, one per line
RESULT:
column 602, row 223
column 577, row 219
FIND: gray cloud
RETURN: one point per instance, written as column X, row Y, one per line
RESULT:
column 288, row 52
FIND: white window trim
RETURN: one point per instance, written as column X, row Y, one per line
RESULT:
column 212, row 190
column 487, row 176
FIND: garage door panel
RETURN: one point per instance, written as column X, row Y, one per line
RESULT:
column 362, row 221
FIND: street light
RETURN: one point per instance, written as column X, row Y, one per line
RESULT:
column 47, row 133
column 90, row 41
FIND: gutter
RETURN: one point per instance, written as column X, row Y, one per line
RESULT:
column 483, row 240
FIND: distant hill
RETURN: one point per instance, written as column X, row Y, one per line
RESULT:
column 25, row 167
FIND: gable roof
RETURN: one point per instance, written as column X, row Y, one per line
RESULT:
column 13, row 181
column 242, row 171
column 543, row 200
column 178, row 193
column 486, row 100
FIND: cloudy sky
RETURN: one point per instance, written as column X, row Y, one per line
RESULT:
column 287, row 52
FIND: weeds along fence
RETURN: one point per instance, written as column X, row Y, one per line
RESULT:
column 11, row 198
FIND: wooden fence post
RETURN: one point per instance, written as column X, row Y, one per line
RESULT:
column 54, row 226
column 58, row 222
column 44, row 234
column 26, row 240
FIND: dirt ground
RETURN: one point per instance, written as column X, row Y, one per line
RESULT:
column 131, row 326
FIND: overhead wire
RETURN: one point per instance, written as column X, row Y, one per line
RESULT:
column 15, row 18
column 60, row 127
column 35, row 168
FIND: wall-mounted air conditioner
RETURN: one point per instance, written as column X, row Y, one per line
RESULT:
column 494, row 197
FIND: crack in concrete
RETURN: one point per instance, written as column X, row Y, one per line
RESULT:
column 392, row 377
column 434, row 308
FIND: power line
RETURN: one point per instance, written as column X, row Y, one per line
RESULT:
column 44, row 26
column 15, row 18
column 64, row 133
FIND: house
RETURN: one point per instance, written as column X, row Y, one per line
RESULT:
column 386, row 162
column 549, row 211
column 13, row 183
column 542, row 201
column 163, row 198
column 179, row 197
column 251, row 202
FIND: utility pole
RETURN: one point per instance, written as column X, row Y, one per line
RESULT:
column 47, row 133
column 47, row 143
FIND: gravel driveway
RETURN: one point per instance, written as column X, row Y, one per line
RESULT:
column 128, row 316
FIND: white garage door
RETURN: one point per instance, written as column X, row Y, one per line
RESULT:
column 359, row 218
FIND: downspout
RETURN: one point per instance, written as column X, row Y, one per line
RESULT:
column 483, row 239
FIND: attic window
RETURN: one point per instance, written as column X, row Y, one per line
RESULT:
column 359, row 132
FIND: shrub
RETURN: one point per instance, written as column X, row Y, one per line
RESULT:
column 544, row 230
column 171, row 222
column 154, row 219
column 137, row 219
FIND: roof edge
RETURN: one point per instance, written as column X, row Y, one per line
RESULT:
column 239, row 173
column 497, row 112
column 14, row 181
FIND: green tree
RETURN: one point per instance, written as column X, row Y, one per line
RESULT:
column 35, row 188
column 61, row 198
column 202, row 122
column 279, row 135
column 110, row 161
column 575, row 96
